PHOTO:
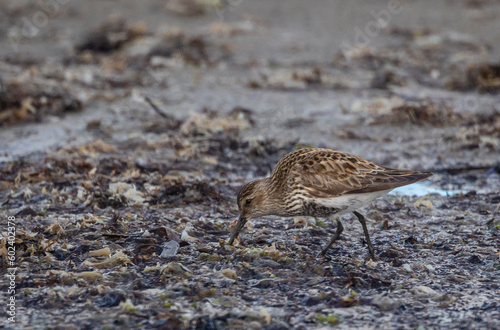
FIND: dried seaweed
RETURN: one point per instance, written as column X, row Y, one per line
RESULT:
column 28, row 103
column 111, row 35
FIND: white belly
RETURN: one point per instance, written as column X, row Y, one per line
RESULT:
column 351, row 202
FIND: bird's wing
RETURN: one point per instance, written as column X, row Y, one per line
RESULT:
column 329, row 173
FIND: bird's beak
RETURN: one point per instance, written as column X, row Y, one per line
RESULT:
column 239, row 226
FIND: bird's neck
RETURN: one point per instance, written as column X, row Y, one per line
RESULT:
column 274, row 197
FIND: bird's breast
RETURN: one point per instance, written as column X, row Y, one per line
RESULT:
column 300, row 203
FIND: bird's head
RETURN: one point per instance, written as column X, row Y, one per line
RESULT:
column 253, row 199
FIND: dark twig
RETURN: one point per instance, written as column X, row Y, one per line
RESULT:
column 155, row 108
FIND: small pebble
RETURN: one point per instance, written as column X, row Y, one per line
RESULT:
column 170, row 249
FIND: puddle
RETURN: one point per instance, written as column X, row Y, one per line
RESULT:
column 422, row 189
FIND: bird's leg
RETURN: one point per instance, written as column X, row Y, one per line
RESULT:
column 339, row 231
column 361, row 219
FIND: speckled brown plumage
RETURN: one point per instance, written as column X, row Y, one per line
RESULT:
column 320, row 182
column 330, row 173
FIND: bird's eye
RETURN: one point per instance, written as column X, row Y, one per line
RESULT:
column 248, row 202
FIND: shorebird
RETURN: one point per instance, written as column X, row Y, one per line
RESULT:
column 320, row 183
